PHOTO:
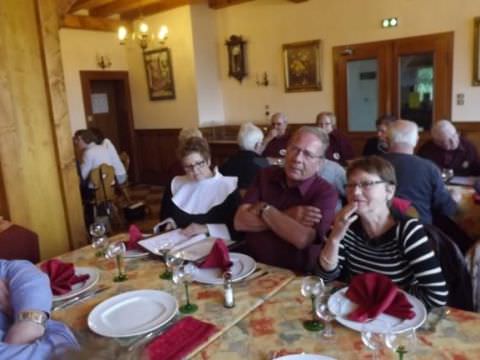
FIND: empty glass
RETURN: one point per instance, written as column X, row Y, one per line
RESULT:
column 373, row 340
column 184, row 275
column 447, row 174
column 163, row 251
column 97, row 231
column 117, row 251
column 311, row 287
column 401, row 343
column 173, row 259
column 324, row 313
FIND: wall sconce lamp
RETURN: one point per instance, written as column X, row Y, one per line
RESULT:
column 263, row 81
column 103, row 61
column 390, row 22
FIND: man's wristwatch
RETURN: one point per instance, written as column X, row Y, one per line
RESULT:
column 264, row 208
column 35, row 316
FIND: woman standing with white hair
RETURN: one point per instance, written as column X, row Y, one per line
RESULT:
column 246, row 162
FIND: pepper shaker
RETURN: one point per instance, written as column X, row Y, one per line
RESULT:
column 229, row 299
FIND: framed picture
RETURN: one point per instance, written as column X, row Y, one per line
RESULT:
column 476, row 52
column 158, row 66
column 302, row 66
column 236, row 57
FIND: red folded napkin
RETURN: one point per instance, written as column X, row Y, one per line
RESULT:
column 135, row 235
column 218, row 257
column 62, row 276
column 375, row 294
column 180, row 340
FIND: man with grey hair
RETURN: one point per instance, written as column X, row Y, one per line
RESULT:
column 449, row 150
column 287, row 211
column 418, row 179
column 277, row 137
column 246, row 162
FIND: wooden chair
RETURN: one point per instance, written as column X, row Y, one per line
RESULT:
column 103, row 180
column 125, row 159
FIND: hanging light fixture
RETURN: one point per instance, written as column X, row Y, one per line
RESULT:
column 141, row 33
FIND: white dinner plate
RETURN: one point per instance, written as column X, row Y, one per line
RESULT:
column 341, row 306
column 304, row 357
column 132, row 313
column 133, row 254
column 81, row 287
column 243, row 265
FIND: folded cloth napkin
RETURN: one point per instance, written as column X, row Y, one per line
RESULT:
column 62, row 276
column 134, row 235
column 218, row 257
column 180, row 340
column 375, row 294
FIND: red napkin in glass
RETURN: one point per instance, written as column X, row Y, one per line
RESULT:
column 180, row 340
column 134, row 236
column 218, row 257
column 62, row 276
column 375, row 294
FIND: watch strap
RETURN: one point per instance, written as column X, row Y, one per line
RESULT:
column 38, row 317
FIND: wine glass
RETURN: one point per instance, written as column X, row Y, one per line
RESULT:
column 163, row 251
column 173, row 259
column 372, row 340
column 183, row 274
column 447, row 174
column 117, row 250
column 324, row 313
column 97, row 229
column 100, row 243
column 311, row 287
column 401, row 343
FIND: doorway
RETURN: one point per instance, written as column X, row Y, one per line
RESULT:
column 106, row 97
column 410, row 78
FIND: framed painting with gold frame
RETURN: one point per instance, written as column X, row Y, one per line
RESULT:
column 476, row 52
column 158, row 66
column 302, row 66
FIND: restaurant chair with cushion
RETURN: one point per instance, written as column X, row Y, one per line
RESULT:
column 454, row 268
column 17, row 242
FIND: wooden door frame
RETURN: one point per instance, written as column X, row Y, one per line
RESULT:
column 86, row 78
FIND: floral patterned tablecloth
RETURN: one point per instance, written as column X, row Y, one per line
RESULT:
column 144, row 274
column 275, row 328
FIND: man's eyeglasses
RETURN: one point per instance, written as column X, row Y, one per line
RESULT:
column 363, row 185
column 294, row 150
column 198, row 164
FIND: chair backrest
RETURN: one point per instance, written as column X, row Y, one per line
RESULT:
column 125, row 159
column 103, row 179
column 17, row 242
column 454, row 268
column 454, row 231
column 473, row 263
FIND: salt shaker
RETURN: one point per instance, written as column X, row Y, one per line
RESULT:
column 229, row 299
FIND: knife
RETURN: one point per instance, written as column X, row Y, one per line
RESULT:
column 79, row 298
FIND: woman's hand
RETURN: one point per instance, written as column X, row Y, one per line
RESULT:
column 194, row 229
column 343, row 220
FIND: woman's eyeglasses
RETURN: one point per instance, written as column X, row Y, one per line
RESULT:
column 198, row 164
column 363, row 185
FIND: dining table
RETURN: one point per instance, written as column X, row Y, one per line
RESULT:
column 275, row 329
column 143, row 273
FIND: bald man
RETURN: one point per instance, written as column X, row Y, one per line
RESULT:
column 276, row 140
column 449, row 150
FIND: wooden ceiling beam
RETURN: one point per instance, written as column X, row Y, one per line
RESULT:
column 156, row 8
column 92, row 23
column 88, row 4
column 123, row 6
column 218, row 4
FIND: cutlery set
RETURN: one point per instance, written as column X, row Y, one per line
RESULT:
column 79, row 298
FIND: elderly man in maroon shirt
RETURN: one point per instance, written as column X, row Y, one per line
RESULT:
column 277, row 137
column 449, row 150
column 287, row 211
column 340, row 149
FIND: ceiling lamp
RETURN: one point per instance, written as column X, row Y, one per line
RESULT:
column 141, row 33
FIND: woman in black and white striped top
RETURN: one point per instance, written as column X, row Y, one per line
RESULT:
column 368, row 237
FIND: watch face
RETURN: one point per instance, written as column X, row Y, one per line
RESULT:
column 38, row 317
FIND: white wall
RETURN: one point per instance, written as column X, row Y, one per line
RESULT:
column 172, row 113
column 267, row 24
column 79, row 50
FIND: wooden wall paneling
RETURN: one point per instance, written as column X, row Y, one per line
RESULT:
column 3, row 198
column 28, row 154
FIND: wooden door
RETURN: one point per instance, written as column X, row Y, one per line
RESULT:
column 413, row 78
column 106, row 97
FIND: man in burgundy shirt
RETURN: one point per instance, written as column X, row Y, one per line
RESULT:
column 287, row 211
column 449, row 150
column 277, row 137
column 340, row 150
